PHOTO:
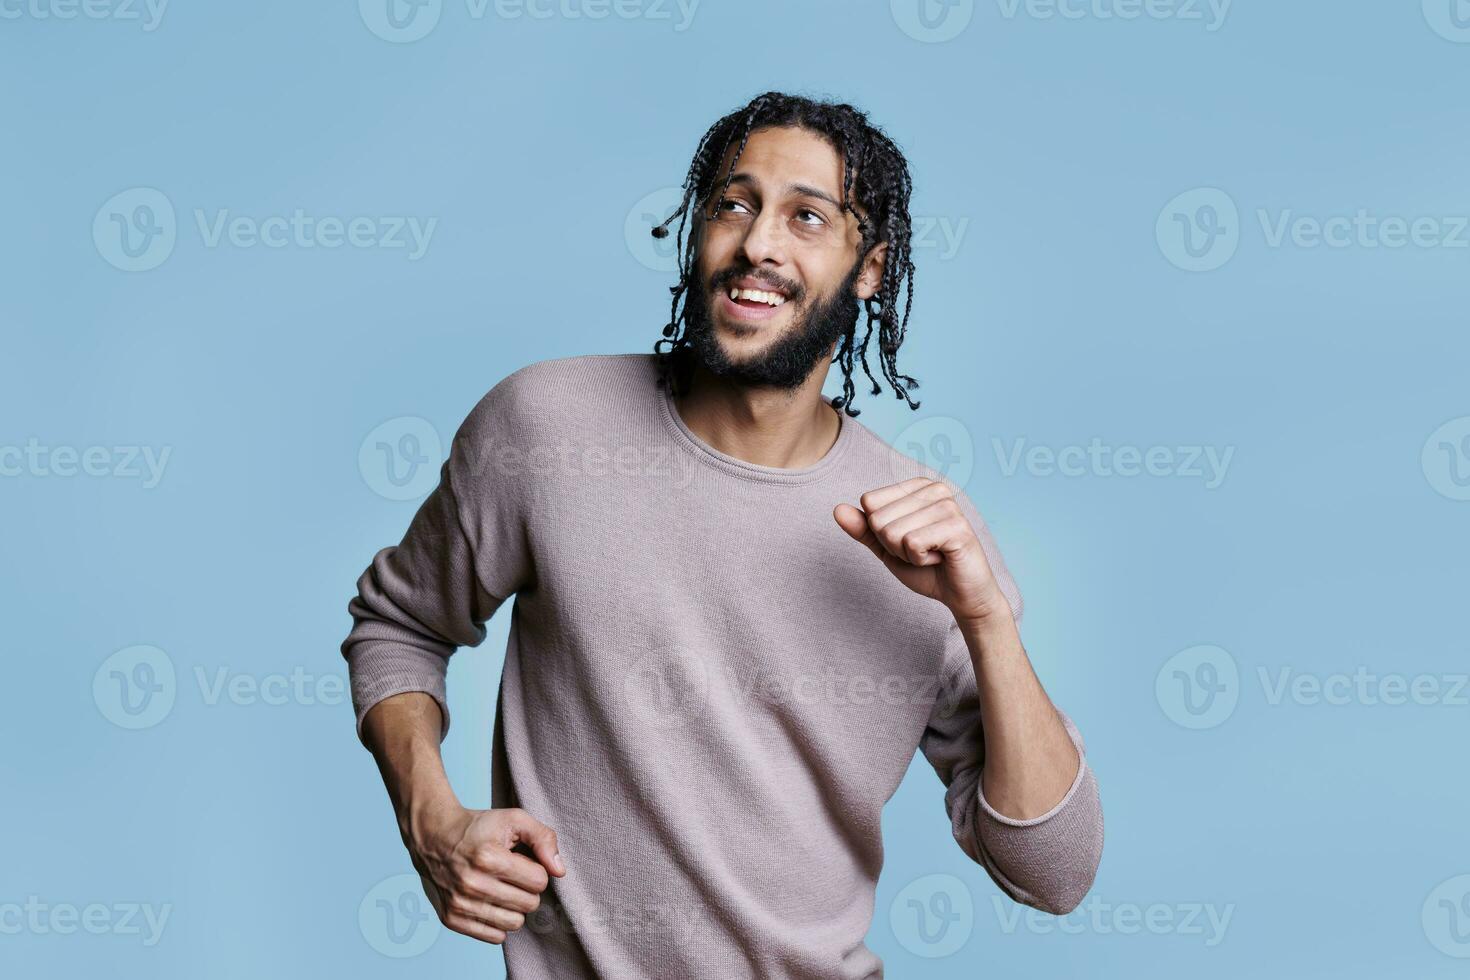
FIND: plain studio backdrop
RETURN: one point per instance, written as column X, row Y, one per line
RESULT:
column 1190, row 322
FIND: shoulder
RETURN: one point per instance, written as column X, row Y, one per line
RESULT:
column 546, row 395
column 879, row 462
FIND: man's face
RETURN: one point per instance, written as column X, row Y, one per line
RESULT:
column 781, row 229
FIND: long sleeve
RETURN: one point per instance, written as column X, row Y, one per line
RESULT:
column 1048, row 862
column 464, row 553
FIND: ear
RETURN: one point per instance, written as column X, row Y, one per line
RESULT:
column 871, row 276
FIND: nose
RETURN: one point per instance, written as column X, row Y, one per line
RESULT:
column 765, row 239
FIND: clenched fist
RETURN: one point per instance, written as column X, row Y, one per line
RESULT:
column 920, row 533
column 480, row 886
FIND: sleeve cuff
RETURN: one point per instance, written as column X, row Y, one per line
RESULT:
column 377, row 674
column 1049, row 862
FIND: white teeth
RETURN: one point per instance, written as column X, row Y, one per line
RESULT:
column 759, row 295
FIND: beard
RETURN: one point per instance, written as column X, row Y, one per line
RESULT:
column 787, row 361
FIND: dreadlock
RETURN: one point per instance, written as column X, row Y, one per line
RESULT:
column 882, row 188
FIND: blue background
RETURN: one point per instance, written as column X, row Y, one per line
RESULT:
column 1333, row 542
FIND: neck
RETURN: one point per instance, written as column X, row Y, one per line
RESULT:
column 788, row 429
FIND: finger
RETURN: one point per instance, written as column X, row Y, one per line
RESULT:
column 908, row 504
column 874, row 499
column 483, row 886
column 474, row 928
column 512, row 868
column 541, row 839
column 855, row 523
column 488, row 913
column 926, row 536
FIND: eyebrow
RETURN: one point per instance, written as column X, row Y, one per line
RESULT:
column 805, row 190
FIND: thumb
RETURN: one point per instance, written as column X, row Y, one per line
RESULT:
column 542, row 840
column 851, row 520
column 855, row 523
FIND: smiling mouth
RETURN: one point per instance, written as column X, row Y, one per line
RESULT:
column 741, row 306
column 755, row 298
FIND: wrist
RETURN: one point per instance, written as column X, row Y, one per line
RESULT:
column 422, row 810
column 988, row 629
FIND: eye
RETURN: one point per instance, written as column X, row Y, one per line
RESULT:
column 811, row 224
column 720, row 209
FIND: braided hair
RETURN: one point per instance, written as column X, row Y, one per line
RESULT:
column 882, row 188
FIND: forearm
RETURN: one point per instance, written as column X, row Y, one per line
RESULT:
column 1030, row 760
column 403, row 733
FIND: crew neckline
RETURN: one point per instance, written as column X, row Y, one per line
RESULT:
column 755, row 471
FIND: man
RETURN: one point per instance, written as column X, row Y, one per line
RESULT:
column 738, row 614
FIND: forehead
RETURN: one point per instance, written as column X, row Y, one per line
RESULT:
column 781, row 155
